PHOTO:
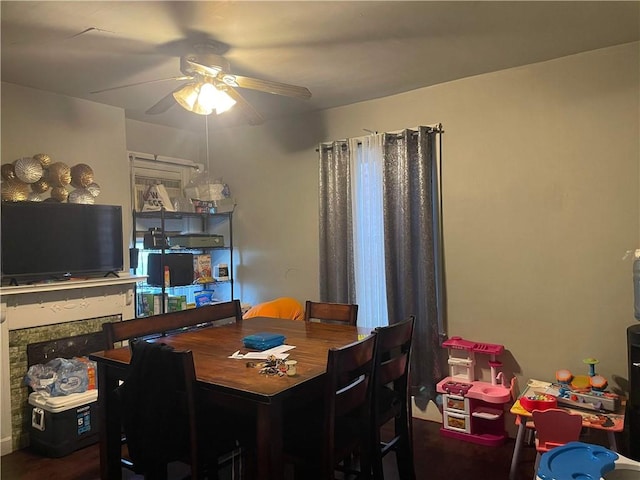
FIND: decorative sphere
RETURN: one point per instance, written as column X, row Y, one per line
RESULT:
column 93, row 189
column 8, row 171
column 14, row 190
column 35, row 197
column 59, row 174
column 43, row 158
column 40, row 186
column 81, row 195
column 28, row 170
column 59, row 194
column 81, row 175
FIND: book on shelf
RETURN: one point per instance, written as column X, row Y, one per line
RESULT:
column 202, row 268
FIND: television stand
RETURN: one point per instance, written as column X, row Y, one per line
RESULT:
column 112, row 272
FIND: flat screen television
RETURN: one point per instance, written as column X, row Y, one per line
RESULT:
column 50, row 240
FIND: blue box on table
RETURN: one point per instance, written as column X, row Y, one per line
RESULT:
column 263, row 340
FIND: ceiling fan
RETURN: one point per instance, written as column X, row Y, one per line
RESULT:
column 209, row 75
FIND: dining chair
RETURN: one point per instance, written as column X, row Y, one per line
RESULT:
column 172, row 322
column 554, row 427
column 391, row 399
column 322, row 445
column 324, row 312
column 162, row 417
column 282, row 307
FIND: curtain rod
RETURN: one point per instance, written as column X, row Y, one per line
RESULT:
column 398, row 134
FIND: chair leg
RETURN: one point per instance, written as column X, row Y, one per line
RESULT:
column 536, row 465
column 404, row 449
column 376, row 455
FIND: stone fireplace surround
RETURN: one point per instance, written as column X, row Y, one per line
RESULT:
column 35, row 313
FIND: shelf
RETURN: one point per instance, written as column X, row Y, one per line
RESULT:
column 487, row 413
column 70, row 284
column 179, row 215
column 155, row 260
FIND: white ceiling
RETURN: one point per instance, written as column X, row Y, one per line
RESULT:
column 344, row 52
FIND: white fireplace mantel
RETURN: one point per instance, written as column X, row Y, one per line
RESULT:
column 37, row 305
column 42, row 304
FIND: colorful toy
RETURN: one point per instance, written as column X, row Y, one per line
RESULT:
column 585, row 391
column 473, row 410
column 538, row 401
column 577, row 460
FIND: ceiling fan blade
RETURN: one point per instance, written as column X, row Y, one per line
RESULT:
column 268, row 86
column 252, row 115
column 141, row 83
column 164, row 104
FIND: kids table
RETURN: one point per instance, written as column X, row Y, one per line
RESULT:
column 610, row 422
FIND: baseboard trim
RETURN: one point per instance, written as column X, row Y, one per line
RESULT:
column 432, row 413
column 5, row 446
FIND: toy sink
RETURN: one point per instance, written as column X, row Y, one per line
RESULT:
column 489, row 393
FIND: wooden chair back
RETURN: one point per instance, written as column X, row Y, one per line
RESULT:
column 345, row 313
column 160, row 413
column 391, row 398
column 347, row 400
column 166, row 323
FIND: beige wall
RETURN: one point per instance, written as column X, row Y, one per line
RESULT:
column 541, row 201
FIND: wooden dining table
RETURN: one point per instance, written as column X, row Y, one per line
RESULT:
column 230, row 383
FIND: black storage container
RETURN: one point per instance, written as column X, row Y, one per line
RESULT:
column 180, row 269
column 632, row 416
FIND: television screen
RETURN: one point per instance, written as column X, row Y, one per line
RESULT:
column 49, row 240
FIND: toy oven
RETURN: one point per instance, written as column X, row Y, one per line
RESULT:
column 457, row 422
column 456, row 403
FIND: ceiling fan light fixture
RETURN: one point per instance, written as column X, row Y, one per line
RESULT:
column 187, row 96
column 203, row 98
column 223, row 101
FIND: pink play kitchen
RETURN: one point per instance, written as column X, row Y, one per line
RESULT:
column 473, row 410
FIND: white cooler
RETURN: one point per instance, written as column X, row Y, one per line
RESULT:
column 61, row 425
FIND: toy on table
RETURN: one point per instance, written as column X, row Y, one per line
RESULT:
column 585, row 391
column 538, row 401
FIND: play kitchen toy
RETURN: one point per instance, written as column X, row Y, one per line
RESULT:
column 473, row 410
column 577, row 460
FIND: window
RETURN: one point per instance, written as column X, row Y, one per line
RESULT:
column 368, row 230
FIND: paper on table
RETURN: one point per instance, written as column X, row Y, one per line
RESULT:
column 277, row 352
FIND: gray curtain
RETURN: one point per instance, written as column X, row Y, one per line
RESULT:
column 337, row 278
column 412, row 242
column 412, row 249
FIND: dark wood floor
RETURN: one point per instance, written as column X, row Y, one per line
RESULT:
column 436, row 458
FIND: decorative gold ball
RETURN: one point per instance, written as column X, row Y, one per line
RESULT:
column 28, row 170
column 8, row 171
column 14, row 190
column 81, row 175
column 93, row 189
column 59, row 194
column 59, row 174
column 81, row 195
column 35, row 197
column 40, row 186
column 43, row 158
